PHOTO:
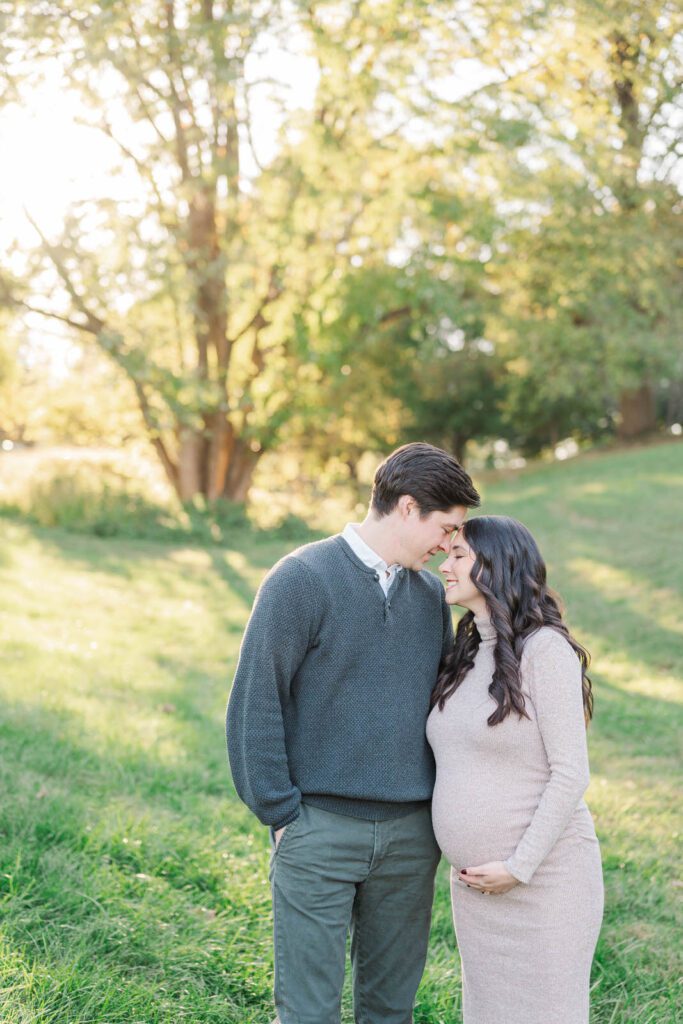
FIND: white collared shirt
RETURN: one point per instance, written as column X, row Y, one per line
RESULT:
column 386, row 573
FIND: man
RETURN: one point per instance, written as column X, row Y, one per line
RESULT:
column 326, row 738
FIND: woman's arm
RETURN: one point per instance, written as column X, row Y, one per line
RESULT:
column 552, row 672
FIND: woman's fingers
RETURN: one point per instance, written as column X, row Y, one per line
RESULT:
column 491, row 878
column 483, row 883
column 475, row 882
column 476, row 874
column 479, row 869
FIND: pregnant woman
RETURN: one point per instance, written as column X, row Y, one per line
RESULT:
column 508, row 731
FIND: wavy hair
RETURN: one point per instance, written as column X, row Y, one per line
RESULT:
column 510, row 573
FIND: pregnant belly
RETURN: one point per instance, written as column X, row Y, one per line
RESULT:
column 473, row 827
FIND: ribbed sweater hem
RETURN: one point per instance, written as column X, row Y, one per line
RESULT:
column 370, row 810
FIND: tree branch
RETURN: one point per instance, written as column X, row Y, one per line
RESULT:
column 258, row 321
column 94, row 323
column 172, row 102
column 250, row 136
column 52, row 315
column 170, row 467
column 393, row 315
column 178, row 105
column 144, row 170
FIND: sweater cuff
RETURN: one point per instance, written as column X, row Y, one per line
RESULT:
column 292, row 816
column 522, row 876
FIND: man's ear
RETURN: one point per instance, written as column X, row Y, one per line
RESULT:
column 406, row 505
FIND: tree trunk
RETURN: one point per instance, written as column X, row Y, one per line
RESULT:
column 459, row 447
column 222, row 469
column 218, row 455
column 674, row 405
column 191, row 448
column 637, row 412
column 240, row 471
column 625, row 54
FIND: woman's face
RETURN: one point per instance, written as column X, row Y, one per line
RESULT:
column 457, row 569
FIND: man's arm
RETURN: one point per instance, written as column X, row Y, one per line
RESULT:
column 280, row 631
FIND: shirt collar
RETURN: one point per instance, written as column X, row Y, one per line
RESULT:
column 364, row 551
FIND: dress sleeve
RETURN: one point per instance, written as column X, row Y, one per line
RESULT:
column 553, row 677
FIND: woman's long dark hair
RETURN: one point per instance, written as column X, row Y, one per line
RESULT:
column 510, row 573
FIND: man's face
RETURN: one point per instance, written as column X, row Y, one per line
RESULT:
column 424, row 536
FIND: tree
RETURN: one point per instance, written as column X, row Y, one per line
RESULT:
column 511, row 205
column 410, row 361
column 204, row 290
column 589, row 266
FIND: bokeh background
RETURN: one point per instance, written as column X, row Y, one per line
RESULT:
column 246, row 250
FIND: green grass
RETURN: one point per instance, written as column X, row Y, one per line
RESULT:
column 133, row 884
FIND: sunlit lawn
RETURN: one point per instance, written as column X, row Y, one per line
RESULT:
column 133, row 883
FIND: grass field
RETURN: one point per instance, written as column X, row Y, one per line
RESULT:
column 133, row 884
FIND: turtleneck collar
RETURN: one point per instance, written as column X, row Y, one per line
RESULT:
column 485, row 628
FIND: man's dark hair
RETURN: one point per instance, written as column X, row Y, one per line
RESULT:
column 430, row 475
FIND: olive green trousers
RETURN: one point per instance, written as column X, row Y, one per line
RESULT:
column 330, row 874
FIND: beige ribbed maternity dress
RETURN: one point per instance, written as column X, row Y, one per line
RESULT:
column 513, row 792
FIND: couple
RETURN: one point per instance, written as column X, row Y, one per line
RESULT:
column 350, row 690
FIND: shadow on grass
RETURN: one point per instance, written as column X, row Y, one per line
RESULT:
column 626, row 528
column 204, row 529
column 105, row 846
column 635, row 725
column 235, row 580
column 631, row 630
column 122, row 556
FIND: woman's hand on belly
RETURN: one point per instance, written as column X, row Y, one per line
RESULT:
column 492, row 878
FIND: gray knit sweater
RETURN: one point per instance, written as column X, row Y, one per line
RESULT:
column 332, row 688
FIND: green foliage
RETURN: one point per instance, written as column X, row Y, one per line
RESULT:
column 77, row 500
column 592, row 313
column 118, row 497
column 407, row 360
column 590, row 266
column 514, row 173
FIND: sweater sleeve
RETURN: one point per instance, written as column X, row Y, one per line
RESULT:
column 281, row 629
column 554, row 683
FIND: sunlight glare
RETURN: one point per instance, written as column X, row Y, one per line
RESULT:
column 52, row 161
